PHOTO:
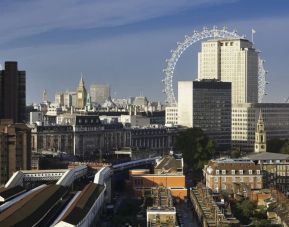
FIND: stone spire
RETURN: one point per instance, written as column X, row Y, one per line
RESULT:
column 260, row 135
column 44, row 96
column 81, row 94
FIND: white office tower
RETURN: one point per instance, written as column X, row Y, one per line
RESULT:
column 185, row 103
column 231, row 60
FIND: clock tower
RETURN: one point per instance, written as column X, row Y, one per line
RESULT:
column 81, row 95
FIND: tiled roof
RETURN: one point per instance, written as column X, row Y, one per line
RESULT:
column 169, row 163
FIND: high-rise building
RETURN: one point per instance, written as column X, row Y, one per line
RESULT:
column 206, row 104
column 99, row 93
column 15, row 148
column 12, row 93
column 81, row 95
column 244, row 121
column 59, row 98
column 231, row 60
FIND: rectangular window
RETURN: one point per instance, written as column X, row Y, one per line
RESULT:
column 241, row 179
column 241, row 172
column 216, row 179
column 250, row 171
column 217, row 172
column 233, row 172
column 223, row 179
column 258, row 171
column 223, row 172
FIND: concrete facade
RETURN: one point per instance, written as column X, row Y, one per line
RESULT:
column 244, row 121
column 231, row 60
column 206, row 104
column 12, row 93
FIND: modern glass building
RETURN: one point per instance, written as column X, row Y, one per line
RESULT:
column 206, row 104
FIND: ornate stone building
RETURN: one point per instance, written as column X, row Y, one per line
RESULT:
column 85, row 136
column 81, row 95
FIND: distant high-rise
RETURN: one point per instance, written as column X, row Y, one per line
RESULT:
column 59, row 98
column 12, row 93
column 206, row 104
column 231, row 60
column 99, row 93
column 81, row 95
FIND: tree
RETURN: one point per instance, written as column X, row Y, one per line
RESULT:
column 278, row 146
column 285, row 148
column 197, row 148
column 244, row 211
column 236, row 153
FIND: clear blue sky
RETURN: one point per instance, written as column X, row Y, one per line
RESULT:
column 125, row 42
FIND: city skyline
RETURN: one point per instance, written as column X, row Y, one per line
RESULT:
column 125, row 44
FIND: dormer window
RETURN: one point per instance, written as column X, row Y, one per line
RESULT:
column 233, row 172
column 223, row 172
column 250, row 171
column 217, row 172
column 241, row 172
column 258, row 171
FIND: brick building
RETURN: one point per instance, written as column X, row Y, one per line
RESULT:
column 15, row 148
column 167, row 173
column 223, row 174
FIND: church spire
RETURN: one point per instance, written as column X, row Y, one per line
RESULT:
column 260, row 135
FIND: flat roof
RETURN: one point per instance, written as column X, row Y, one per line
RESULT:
column 31, row 210
column 83, row 203
column 267, row 156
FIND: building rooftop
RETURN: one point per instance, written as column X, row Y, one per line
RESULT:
column 83, row 203
column 267, row 156
column 31, row 209
column 231, row 164
column 8, row 193
column 169, row 164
